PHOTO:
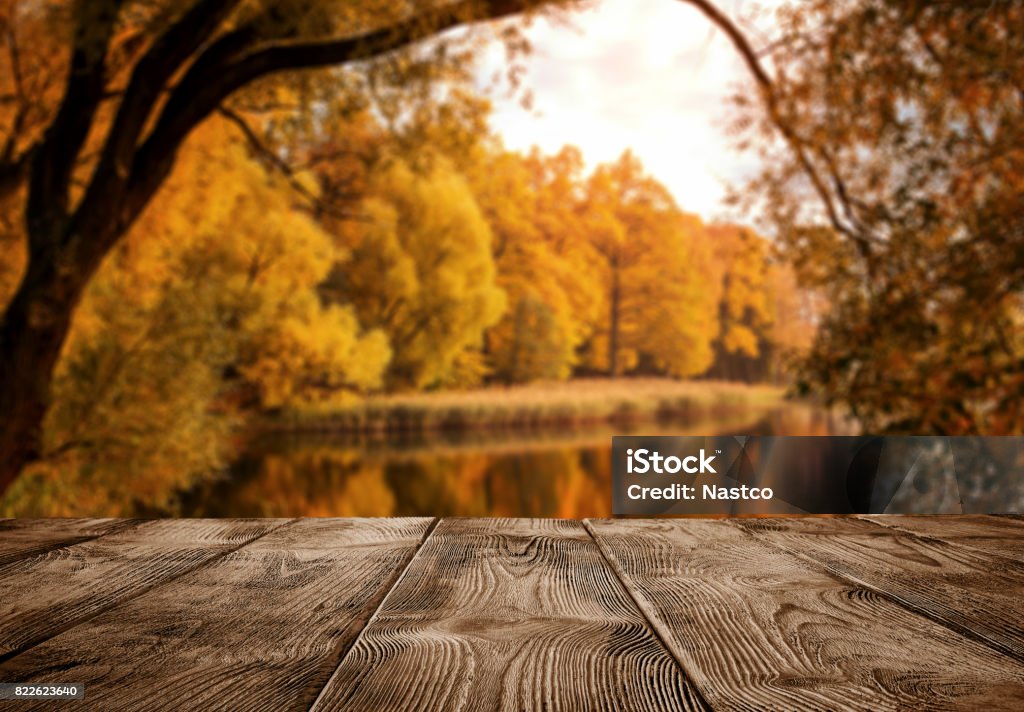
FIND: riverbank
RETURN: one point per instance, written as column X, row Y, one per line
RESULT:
column 569, row 404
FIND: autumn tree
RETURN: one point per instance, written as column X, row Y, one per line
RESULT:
column 138, row 78
column 207, row 310
column 660, row 285
column 421, row 270
column 765, row 319
column 99, row 96
column 241, row 234
column 743, row 308
column 531, row 203
column 795, row 316
column 892, row 138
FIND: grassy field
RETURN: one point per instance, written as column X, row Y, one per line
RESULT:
column 539, row 405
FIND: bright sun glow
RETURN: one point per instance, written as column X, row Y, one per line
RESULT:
column 651, row 75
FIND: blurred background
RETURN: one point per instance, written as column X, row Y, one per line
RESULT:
column 436, row 279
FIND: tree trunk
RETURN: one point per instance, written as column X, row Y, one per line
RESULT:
column 32, row 333
column 614, row 318
column 212, row 64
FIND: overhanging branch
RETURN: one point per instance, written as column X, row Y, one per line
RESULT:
column 268, row 156
column 793, row 140
column 209, row 81
column 53, row 162
column 164, row 58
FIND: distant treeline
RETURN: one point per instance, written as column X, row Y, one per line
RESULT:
column 292, row 265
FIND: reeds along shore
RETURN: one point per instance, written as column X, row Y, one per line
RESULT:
column 540, row 405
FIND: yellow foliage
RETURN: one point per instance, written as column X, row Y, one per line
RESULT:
column 766, row 320
column 538, row 335
column 421, row 270
column 267, row 258
column 659, row 279
column 313, row 354
column 209, row 302
column 745, row 310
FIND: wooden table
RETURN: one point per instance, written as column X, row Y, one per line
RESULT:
column 871, row 613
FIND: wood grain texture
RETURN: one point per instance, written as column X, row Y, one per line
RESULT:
column 791, row 614
column 989, row 535
column 53, row 591
column 960, row 588
column 758, row 629
column 21, row 538
column 259, row 629
column 508, row 615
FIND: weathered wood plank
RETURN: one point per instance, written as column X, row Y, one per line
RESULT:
column 22, row 538
column 53, row 591
column 260, row 629
column 950, row 584
column 508, row 615
column 758, row 629
column 982, row 533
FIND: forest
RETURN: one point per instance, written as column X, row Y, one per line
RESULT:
column 412, row 269
column 217, row 213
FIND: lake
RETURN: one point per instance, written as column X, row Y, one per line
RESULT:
column 527, row 473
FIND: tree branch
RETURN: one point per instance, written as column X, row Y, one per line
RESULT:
column 107, row 213
column 156, row 67
column 14, row 171
column 55, row 158
column 269, row 156
column 795, row 143
column 17, row 124
column 212, row 78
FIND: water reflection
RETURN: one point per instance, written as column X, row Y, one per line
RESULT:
column 525, row 474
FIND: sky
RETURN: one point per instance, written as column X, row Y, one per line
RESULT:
column 651, row 75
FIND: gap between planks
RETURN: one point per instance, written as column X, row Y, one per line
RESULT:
column 141, row 591
column 394, row 584
column 614, row 570
column 93, row 530
column 493, row 635
column 972, row 532
column 278, row 612
column 652, row 621
column 974, row 626
column 758, row 628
